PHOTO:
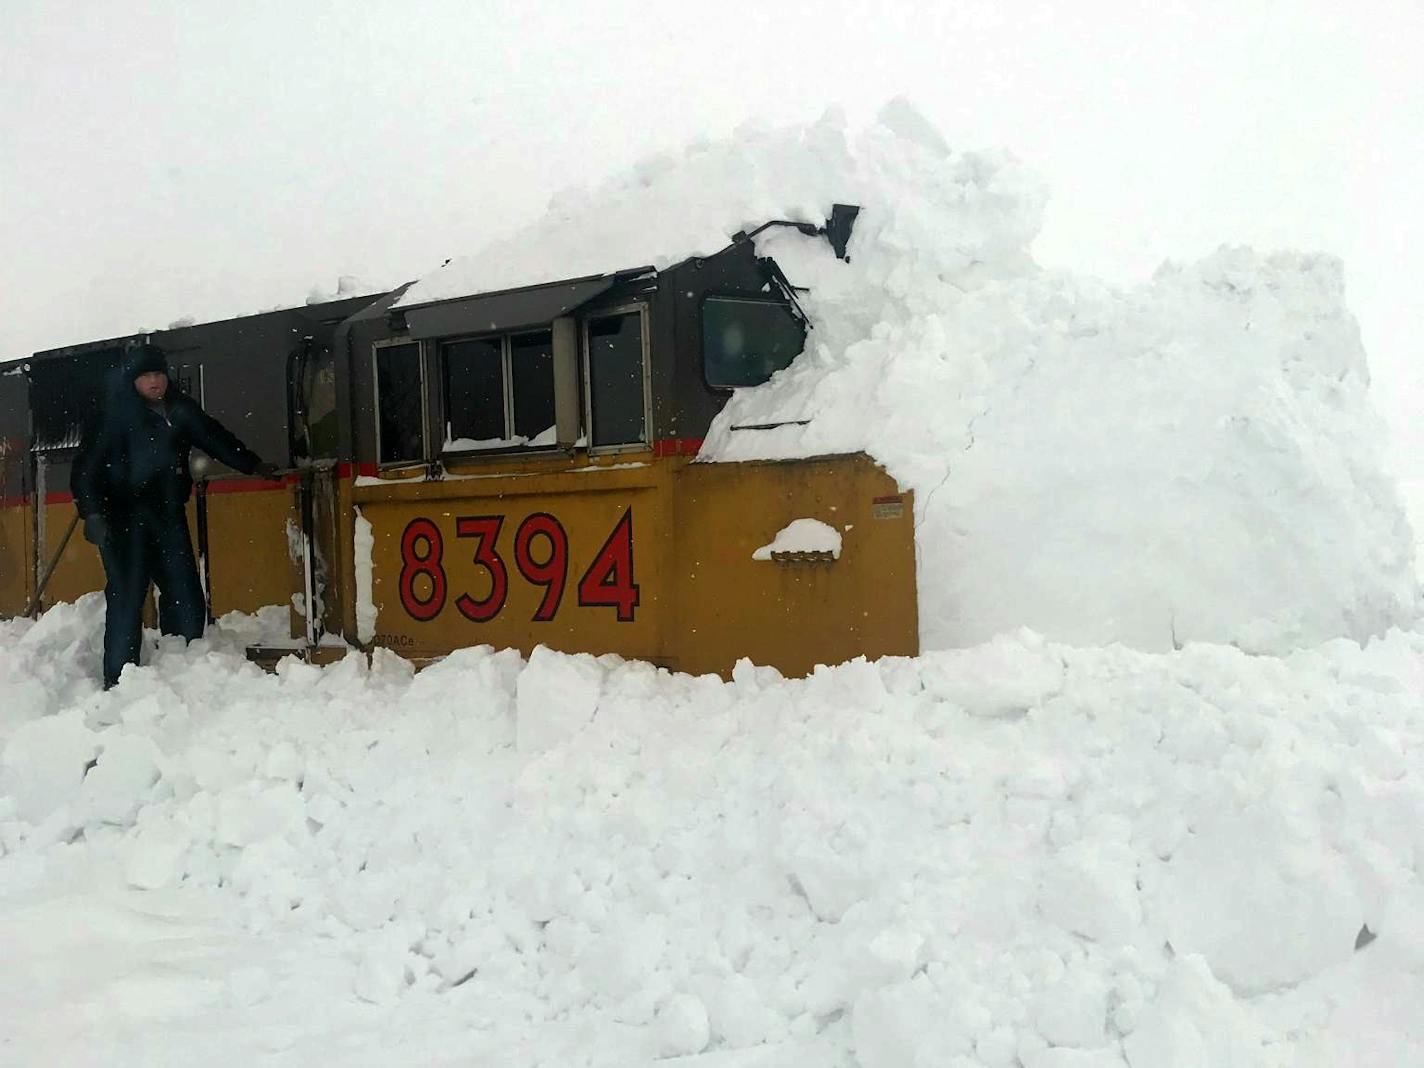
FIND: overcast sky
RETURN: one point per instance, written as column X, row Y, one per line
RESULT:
column 198, row 158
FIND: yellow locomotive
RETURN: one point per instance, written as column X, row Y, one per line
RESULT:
column 512, row 468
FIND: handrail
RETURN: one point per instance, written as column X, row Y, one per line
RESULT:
column 33, row 607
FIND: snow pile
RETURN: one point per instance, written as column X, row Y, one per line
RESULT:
column 347, row 285
column 691, row 202
column 1018, row 854
column 1194, row 458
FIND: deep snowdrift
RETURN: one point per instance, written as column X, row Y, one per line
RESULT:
column 1074, row 857
column 1195, row 458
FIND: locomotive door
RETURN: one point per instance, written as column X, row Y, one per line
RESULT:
column 313, row 444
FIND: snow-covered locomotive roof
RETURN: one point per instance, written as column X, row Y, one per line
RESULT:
column 670, row 210
column 516, row 267
column 498, row 271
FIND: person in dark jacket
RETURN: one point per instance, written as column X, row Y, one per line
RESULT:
column 131, row 483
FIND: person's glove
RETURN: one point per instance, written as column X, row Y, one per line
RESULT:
column 96, row 529
column 267, row 471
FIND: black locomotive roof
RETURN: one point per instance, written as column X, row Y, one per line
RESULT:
column 325, row 313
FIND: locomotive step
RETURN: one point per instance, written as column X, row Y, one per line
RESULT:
column 268, row 656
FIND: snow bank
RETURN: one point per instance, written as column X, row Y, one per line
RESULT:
column 1023, row 853
column 1194, row 458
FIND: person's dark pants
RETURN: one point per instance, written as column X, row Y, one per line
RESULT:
column 150, row 544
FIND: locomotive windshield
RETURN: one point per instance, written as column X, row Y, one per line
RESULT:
column 745, row 341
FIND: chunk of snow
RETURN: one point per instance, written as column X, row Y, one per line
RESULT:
column 830, row 884
column 1074, row 1011
column 1090, row 889
column 247, row 815
column 682, row 1026
column 154, row 855
column 44, row 762
column 366, row 611
column 802, row 536
column 556, row 697
column 117, row 786
column 1007, row 676
column 1194, row 1022
column 1060, row 1057
column 1259, row 894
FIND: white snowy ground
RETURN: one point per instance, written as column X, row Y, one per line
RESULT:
column 1016, row 854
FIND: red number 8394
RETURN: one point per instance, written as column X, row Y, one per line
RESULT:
column 541, row 556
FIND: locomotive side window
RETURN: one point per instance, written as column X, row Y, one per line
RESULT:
column 499, row 392
column 746, row 341
column 617, row 393
column 188, row 377
column 474, row 392
column 323, row 421
column 64, row 392
column 531, row 367
column 400, row 403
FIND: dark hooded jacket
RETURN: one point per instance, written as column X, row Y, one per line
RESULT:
column 134, row 455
